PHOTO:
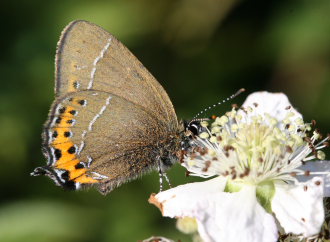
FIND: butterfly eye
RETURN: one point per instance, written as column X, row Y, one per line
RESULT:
column 194, row 127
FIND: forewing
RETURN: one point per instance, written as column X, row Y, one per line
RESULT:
column 88, row 57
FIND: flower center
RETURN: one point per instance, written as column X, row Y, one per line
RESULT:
column 251, row 147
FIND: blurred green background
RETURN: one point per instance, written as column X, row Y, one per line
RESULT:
column 201, row 51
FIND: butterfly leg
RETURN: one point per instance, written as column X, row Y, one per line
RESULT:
column 162, row 174
column 167, row 180
column 160, row 181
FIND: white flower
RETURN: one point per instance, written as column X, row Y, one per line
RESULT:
column 265, row 165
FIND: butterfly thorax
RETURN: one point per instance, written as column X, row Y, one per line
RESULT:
column 168, row 150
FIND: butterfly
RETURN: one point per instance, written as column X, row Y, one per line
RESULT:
column 111, row 120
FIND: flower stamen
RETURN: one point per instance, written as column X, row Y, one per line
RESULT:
column 245, row 145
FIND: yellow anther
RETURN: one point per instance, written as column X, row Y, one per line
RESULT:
column 238, row 117
column 231, row 114
column 212, row 152
column 213, row 139
column 286, row 121
column 299, row 121
column 320, row 155
column 222, row 120
column 316, row 135
column 204, row 124
column 204, row 135
column 273, row 121
column 298, row 140
column 215, row 129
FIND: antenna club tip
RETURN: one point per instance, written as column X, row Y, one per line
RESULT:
column 239, row 92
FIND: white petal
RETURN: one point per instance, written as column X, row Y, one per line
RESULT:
column 299, row 208
column 190, row 199
column 220, row 215
column 241, row 218
column 320, row 169
column 275, row 104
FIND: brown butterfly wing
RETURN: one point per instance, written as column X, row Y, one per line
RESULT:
column 95, row 137
column 88, row 57
column 111, row 120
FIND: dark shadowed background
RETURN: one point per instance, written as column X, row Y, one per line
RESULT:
column 201, row 51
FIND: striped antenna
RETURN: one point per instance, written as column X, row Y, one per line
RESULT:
column 219, row 103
